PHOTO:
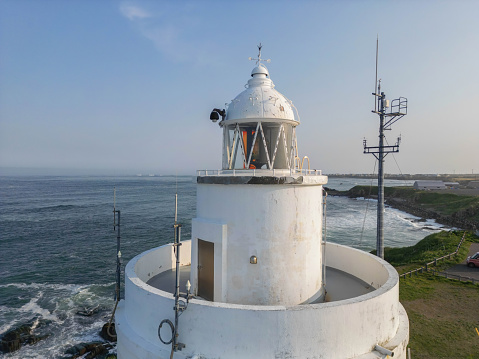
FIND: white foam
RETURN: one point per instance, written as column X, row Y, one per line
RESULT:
column 33, row 307
column 66, row 287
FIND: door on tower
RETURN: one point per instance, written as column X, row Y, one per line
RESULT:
column 206, row 269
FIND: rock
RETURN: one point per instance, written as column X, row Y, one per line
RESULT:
column 32, row 339
column 92, row 350
column 13, row 339
column 98, row 349
column 88, row 312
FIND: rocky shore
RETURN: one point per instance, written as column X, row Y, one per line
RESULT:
column 459, row 219
column 463, row 218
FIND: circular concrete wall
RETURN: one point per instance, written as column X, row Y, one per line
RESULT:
column 343, row 329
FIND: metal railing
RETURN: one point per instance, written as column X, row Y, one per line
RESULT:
column 460, row 278
column 398, row 106
column 258, row 172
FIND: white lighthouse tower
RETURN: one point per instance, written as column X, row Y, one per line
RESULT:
column 257, row 237
column 262, row 281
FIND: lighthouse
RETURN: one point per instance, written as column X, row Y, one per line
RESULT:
column 257, row 237
column 257, row 278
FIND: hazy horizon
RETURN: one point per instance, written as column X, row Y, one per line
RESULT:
column 25, row 171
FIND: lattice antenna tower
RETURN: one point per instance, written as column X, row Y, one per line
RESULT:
column 397, row 110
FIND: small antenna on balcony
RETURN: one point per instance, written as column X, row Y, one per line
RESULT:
column 376, row 81
column 116, row 226
column 114, row 209
column 176, row 200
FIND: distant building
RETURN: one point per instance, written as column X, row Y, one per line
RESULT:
column 428, row 185
column 473, row 184
column 452, row 185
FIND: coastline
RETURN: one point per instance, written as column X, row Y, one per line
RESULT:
column 461, row 219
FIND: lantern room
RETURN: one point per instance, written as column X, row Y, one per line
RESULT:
column 259, row 126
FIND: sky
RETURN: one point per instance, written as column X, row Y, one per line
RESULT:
column 126, row 87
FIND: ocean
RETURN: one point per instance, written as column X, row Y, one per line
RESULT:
column 58, row 247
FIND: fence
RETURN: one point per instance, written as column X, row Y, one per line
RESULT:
column 438, row 273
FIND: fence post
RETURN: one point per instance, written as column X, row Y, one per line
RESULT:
column 435, row 262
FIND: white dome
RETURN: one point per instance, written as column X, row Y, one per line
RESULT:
column 260, row 101
column 260, row 70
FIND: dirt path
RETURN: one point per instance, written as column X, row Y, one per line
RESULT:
column 462, row 269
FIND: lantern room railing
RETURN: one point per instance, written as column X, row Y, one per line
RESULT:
column 259, row 172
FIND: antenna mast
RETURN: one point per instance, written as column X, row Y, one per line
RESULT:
column 376, row 81
column 116, row 226
column 398, row 109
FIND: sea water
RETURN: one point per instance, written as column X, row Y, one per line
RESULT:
column 58, row 246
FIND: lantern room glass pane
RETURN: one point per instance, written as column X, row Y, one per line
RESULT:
column 244, row 142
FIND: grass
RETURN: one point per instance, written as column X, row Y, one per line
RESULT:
column 433, row 246
column 443, row 313
column 449, row 204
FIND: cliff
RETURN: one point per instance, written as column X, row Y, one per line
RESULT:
column 454, row 210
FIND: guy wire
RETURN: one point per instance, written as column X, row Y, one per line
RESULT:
column 367, row 202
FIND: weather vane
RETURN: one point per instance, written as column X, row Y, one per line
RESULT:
column 259, row 59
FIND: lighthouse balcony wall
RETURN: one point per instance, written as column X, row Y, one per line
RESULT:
column 342, row 329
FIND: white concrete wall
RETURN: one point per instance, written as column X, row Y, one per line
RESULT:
column 216, row 233
column 365, row 268
column 343, row 329
column 280, row 224
column 156, row 261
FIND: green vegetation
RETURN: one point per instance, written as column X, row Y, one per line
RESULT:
column 460, row 207
column 444, row 203
column 442, row 313
column 433, row 246
column 447, row 203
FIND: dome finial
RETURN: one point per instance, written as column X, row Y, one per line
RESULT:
column 259, row 59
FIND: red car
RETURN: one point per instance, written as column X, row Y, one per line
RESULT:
column 473, row 261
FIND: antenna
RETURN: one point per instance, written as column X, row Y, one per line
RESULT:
column 398, row 110
column 176, row 200
column 376, row 81
column 178, row 308
column 118, row 252
column 114, row 212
